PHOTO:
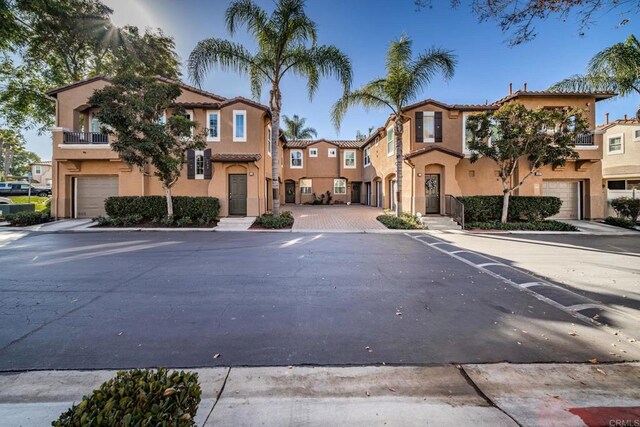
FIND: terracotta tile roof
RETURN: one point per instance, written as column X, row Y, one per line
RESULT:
column 473, row 107
column 215, row 105
column 632, row 121
column 598, row 95
column 434, row 147
column 57, row 90
column 341, row 143
column 235, row 157
column 43, row 163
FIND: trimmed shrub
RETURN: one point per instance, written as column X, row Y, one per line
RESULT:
column 547, row 225
column 285, row 220
column 139, row 397
column 528, row 208
column 24, row 219
column 620, row 222
column 151, row 208
column 627, row 207
column 404, row 222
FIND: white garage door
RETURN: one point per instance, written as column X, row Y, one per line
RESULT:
column 91, row 192
column 568, row 192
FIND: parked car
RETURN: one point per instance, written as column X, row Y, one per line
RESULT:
column 22, row 189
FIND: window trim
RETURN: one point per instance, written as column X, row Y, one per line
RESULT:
column 335, row 152
column 391, row 132
column 465, row 150
column 198, row 154
column 237, row 113
column 269, row 147
column 37, row 169
column 614, row 136
column 335, row 180
column 344, row 159
column 313, row 150
column 291, row 165
column 366, row 156
column 424, row 126
column 213, row 138
column 636, row 135
column 310, row 187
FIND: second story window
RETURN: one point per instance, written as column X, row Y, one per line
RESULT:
column 332, row 152
column 296, row 159
column 313, row 152
column 213, row 126
column 615, row 144
column 636, row 135
column 199, row 165
column 429, row 126
column 239, row 125
column 95, row 123
column 367, row 156
column 350, row 159
column 390, row 142
column 38, row 170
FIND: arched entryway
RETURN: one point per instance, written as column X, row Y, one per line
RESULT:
column 390, row 191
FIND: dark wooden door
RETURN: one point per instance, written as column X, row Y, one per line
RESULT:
column 237, row 194
column 432, row 192
column 355, row 192
column 289, row 192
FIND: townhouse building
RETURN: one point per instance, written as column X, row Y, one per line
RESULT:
column 235, row 166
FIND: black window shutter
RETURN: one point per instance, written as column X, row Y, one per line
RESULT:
column 191, row 164
column 207, row 163
column 419, row 126
column 438, row 126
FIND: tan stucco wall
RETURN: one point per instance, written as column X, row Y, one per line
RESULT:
column 626, row 164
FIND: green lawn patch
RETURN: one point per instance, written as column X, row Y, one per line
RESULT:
column 546, row 225
column 40, row 202
column 404, row 222
column 285, row 220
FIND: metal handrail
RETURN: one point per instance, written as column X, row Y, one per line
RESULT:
column 454, row 208
column 85, row 138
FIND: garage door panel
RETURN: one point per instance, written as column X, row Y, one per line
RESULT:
column 91, row 191
column 567, row 191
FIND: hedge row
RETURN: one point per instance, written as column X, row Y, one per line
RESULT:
column 404, row 222
column 285, row 220
column 528, row 208
column 547, row 225
column 154, row 208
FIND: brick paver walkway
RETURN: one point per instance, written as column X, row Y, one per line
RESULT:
column 341, row 217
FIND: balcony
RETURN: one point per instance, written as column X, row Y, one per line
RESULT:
column 586, row 139
column 85, row 138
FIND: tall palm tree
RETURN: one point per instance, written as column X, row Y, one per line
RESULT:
column 287, row 44
column 405, row 80
column 616, row 68
column 294, row 128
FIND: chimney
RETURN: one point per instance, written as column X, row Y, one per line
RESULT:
column 510, row 88
column 625, row 117
column 606, row 119
column 525, row 87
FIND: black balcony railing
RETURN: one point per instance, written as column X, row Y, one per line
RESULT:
column 584, row 139
column 85, row 138
column 454, row 208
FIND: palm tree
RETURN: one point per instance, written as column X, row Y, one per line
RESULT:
column 616, row 68
column 294, row 128
column 405, row 80
column 287, row 44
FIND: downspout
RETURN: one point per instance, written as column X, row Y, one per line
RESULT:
column 413, row 182
column 255, row 163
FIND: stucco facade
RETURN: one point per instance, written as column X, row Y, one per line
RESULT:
column 621, row 159
column 80, row 151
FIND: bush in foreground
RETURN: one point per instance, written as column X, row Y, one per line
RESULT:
column 285, row 220
column 203, row 210
column 547, row 225
column 24, row 219
column 620, row 222
column 627, row 207
column 528, row 208
column 139, row 397
column 404, row 222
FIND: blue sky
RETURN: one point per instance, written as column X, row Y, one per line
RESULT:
column 363, row 30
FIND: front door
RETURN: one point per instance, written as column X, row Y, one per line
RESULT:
column 432, row 192
column 237, row 194
column 290, row 192
column 355, row 192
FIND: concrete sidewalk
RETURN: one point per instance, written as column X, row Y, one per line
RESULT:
column 479, row 395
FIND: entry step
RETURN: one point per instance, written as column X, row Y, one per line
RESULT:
column 440, row 223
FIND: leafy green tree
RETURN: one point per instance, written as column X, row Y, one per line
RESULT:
column 514, row 133
column 130, row 110
column 405, row 80
column 294, row 128
column 14, row 157
column 616, row 68
column 286, row 44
